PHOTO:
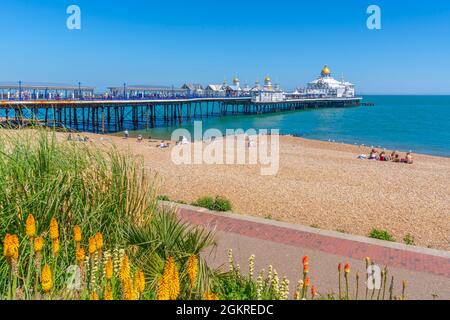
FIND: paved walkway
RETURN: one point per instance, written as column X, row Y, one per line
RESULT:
column 427, row 271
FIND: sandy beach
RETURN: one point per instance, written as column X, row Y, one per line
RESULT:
column 320, row 184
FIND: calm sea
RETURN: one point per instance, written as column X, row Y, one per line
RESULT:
column 417, row 123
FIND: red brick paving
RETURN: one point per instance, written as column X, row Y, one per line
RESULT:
column 409, row 260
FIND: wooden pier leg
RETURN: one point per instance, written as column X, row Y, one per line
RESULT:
column 75, row 117
column 108, row 116
column 103, row 119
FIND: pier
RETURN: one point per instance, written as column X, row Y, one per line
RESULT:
column 109, row 116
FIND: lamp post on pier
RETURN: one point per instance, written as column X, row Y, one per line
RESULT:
column 20, row 90
column 124, row 91
column 79, row 90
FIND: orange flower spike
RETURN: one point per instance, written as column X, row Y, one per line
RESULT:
column 77, row 234
column 30, row 226
column 11, row 246
column 109, row 268
column 80, row 254
column 54, row 232
column 305, row 260
column 55, row 246
column 46, row 279
column 347, row 268
column 313, row 291
column 92, row 245
column 340, row 267
column 307, row 282
column 99, row 241
column 38, row 244
column 305, row 268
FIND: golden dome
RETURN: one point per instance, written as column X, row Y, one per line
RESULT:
column 267, row 79
column 326, row 71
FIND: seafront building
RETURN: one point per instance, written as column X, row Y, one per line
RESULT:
column 325, row 86
column 268, row 92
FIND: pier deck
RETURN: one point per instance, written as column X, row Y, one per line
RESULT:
column 108, row 116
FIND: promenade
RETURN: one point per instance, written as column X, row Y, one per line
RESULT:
column 426, row 271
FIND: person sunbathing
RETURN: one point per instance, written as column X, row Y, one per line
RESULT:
column 382, row 156
column 373, row 155
column 409, row 159
column 396, row 158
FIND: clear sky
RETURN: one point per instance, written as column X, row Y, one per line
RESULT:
column 172, row 42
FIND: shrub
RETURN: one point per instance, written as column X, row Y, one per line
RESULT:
column 163, row 198
column 409, row 239
column 381, row 235
column 215, row 204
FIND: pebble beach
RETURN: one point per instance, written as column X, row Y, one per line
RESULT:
column 319, row 184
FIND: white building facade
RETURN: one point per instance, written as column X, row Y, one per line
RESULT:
column 326, row 86
column 268, row 92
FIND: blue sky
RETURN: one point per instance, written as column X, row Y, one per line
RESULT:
column 172, row 42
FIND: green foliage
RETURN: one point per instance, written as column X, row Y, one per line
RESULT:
column 163, row 198
column 99, row 190
column 381, row 235
column 166, row 236
column 409, row 239
column 215, row 204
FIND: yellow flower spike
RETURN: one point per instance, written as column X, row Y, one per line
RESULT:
column 94, row 296
column 99, row 241
column 169, row 284
column 77, row 234
column 124, row 269
column 109, row 268
column 140, row 281
column 108, row 292
column 128, row 291
column 30, row 226
column 92, row 245
column 192, row 269
column 55, row 246
column 46, row 279
column 163, row 290
column 11, row 246
column 54, row 232
column 80, row 254
column 210, row 296
column 38, row 244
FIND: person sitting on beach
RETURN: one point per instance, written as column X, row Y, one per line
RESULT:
column 396, row 158
column 382, row 156
column 373, row 155
column 163, row 145
column 139, row 138
column 126, row 134
column 408, row 159
column 393, row 155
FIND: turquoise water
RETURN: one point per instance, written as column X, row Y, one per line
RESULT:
column 417, row 123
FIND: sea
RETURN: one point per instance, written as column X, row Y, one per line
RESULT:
column 420, row 124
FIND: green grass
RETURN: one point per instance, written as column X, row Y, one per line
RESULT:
column 381, row 235
column 215, row 204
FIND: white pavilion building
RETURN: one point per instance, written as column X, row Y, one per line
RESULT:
column 267, row 93
column 326, row 86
